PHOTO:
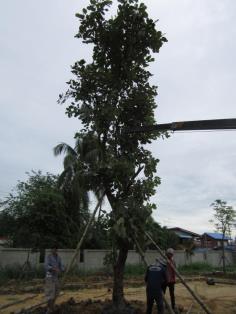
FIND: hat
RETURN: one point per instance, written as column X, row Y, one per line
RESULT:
column 170, row 251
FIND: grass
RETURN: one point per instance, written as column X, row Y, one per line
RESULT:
column 134, row 270
column 201, row 267
column 16, row 273
column 196, row 268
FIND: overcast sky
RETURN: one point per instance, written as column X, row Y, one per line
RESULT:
column 195, row 72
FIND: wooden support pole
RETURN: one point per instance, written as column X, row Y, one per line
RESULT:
column 170, row 310
column 82, row 240
column 199, row 301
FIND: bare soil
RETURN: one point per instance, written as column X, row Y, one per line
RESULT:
column 220, row 298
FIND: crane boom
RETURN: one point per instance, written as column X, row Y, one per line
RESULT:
column 216, row 124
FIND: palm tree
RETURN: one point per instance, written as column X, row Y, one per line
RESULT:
column 80, row 174
column 83, row 160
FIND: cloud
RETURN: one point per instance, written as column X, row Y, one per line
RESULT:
column 195, row 72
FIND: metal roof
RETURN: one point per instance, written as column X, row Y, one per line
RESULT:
column 184, row 232
column 217, row 236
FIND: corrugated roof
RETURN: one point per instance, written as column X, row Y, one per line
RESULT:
column 178, row 229
column 183, row 235
column 217, row 236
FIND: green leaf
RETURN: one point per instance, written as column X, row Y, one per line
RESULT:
column 80, row 16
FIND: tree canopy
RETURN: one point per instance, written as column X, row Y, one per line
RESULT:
column 224, row 216
column 36, row 210
column 39, row 214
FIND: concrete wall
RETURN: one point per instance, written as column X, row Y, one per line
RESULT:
column 93, row 259
column 17, row 256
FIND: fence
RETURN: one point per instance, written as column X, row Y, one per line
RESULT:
column 94, row 259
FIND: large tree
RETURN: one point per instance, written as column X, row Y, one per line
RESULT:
column 112, row 95
column 224, row 217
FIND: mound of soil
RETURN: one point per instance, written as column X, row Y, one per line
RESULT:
column 134, row 307
column 93, row 307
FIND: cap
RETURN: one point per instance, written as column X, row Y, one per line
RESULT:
column 170, row 251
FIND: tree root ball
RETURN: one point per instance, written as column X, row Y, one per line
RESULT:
column 92, row 307
column 125, row 309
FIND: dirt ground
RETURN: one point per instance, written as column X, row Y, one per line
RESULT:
column 220, row 298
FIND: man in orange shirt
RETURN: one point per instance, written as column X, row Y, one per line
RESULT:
column 170, row 277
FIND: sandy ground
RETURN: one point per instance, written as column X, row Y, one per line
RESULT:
column 221, row 299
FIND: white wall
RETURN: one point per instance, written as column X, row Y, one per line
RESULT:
column 93, row 259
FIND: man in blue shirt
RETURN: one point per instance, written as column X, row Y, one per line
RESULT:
column 155, row 278
column 53, row 267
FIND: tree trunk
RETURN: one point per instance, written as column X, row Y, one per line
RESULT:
column 118, row 300
column 223, row 254
column 118, row 292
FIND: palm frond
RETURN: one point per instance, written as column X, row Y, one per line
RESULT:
column 69, row 161
column 64, row 148
column 65, row 178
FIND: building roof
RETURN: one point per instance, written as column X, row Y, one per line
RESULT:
column 217, row 236
column 183, row 233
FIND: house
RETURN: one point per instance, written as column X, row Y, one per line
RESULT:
column 186, row 236
column 214, row 240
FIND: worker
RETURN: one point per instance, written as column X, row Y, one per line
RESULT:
column 53, row 267
column 155, row 278
column 170, row 276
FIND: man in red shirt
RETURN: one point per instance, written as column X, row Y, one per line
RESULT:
column 170, row 277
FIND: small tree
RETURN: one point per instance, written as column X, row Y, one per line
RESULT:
column 37, row 214
column 111, row 95
column 223, row 219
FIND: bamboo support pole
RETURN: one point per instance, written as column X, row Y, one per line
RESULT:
column 199, row 301
column 170, row 310
column 82, row 240
column 77, row 248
